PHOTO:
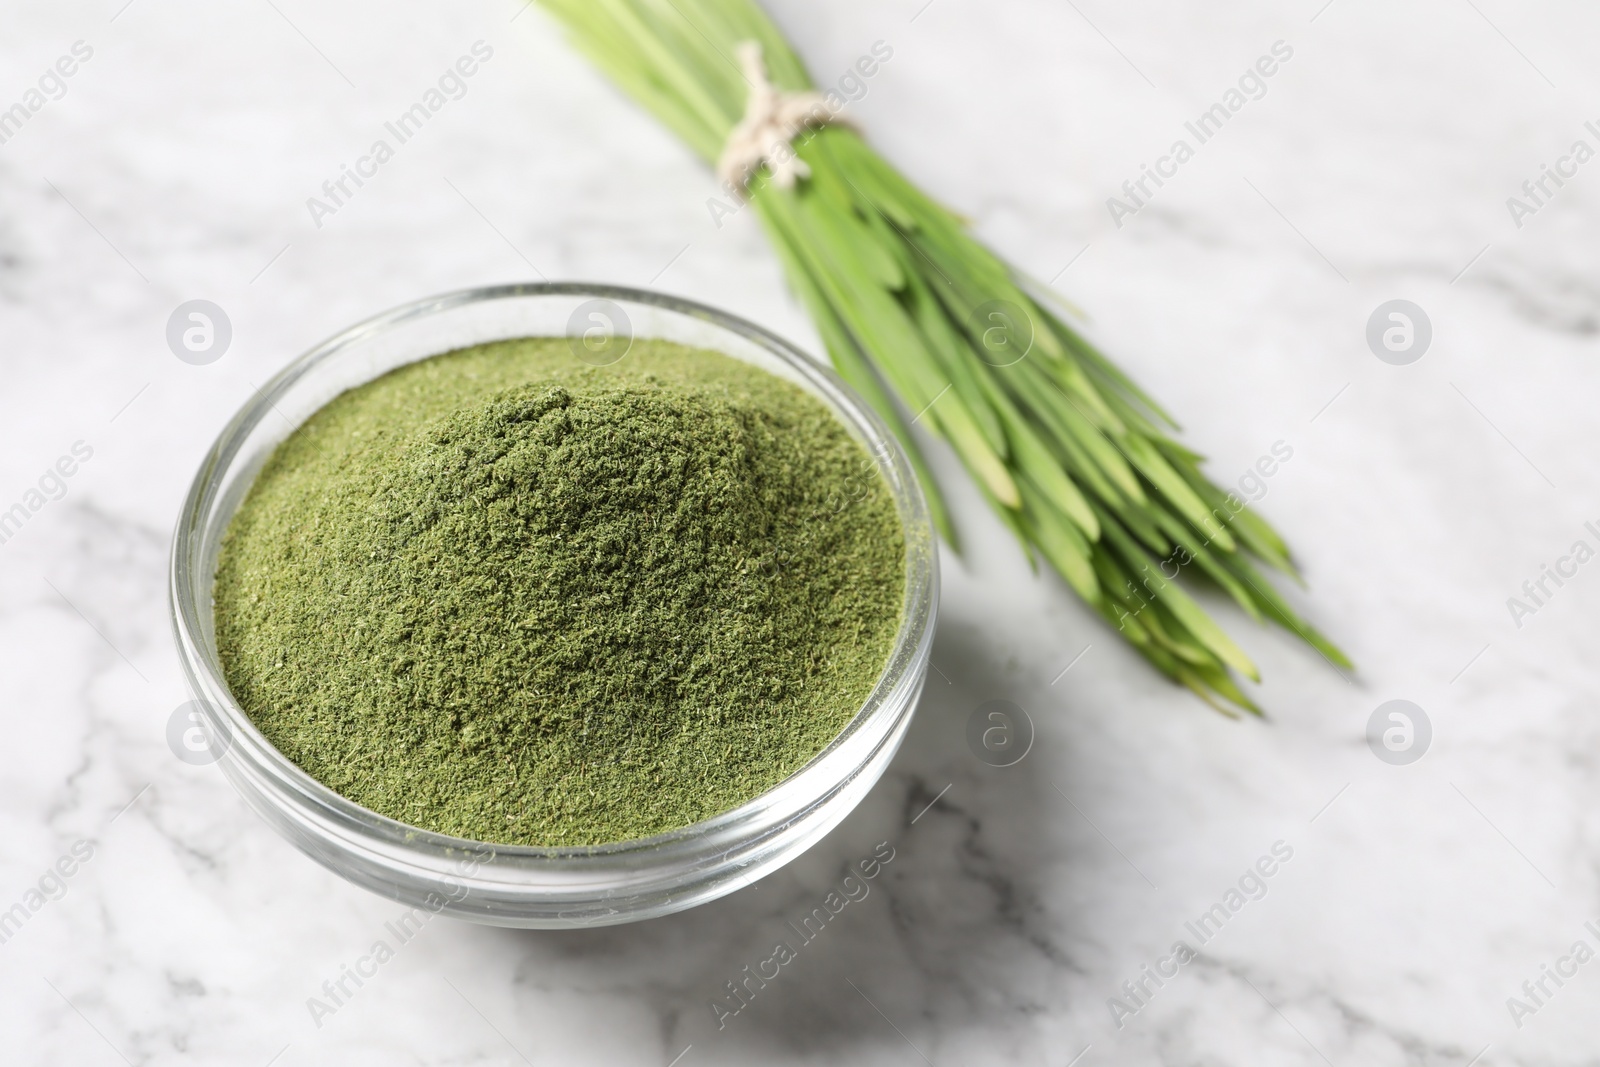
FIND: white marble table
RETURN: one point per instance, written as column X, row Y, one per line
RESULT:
column 1377, row 165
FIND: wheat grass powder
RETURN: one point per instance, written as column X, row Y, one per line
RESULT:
column 505, row 595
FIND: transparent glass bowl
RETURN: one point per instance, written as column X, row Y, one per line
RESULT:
column 517, row 885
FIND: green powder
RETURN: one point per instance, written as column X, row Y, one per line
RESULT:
column 508, row 596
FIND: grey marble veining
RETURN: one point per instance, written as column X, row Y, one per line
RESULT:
column 1022, row 903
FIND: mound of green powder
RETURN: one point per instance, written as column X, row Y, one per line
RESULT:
column 508, row 596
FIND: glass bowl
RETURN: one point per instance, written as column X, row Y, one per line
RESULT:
column 523, row 886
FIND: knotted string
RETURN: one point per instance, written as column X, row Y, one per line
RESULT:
column 772, row 118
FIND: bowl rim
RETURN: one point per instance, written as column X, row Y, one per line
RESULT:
column 903, row 666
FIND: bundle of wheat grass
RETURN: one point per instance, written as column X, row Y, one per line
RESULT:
column 1070, row 453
